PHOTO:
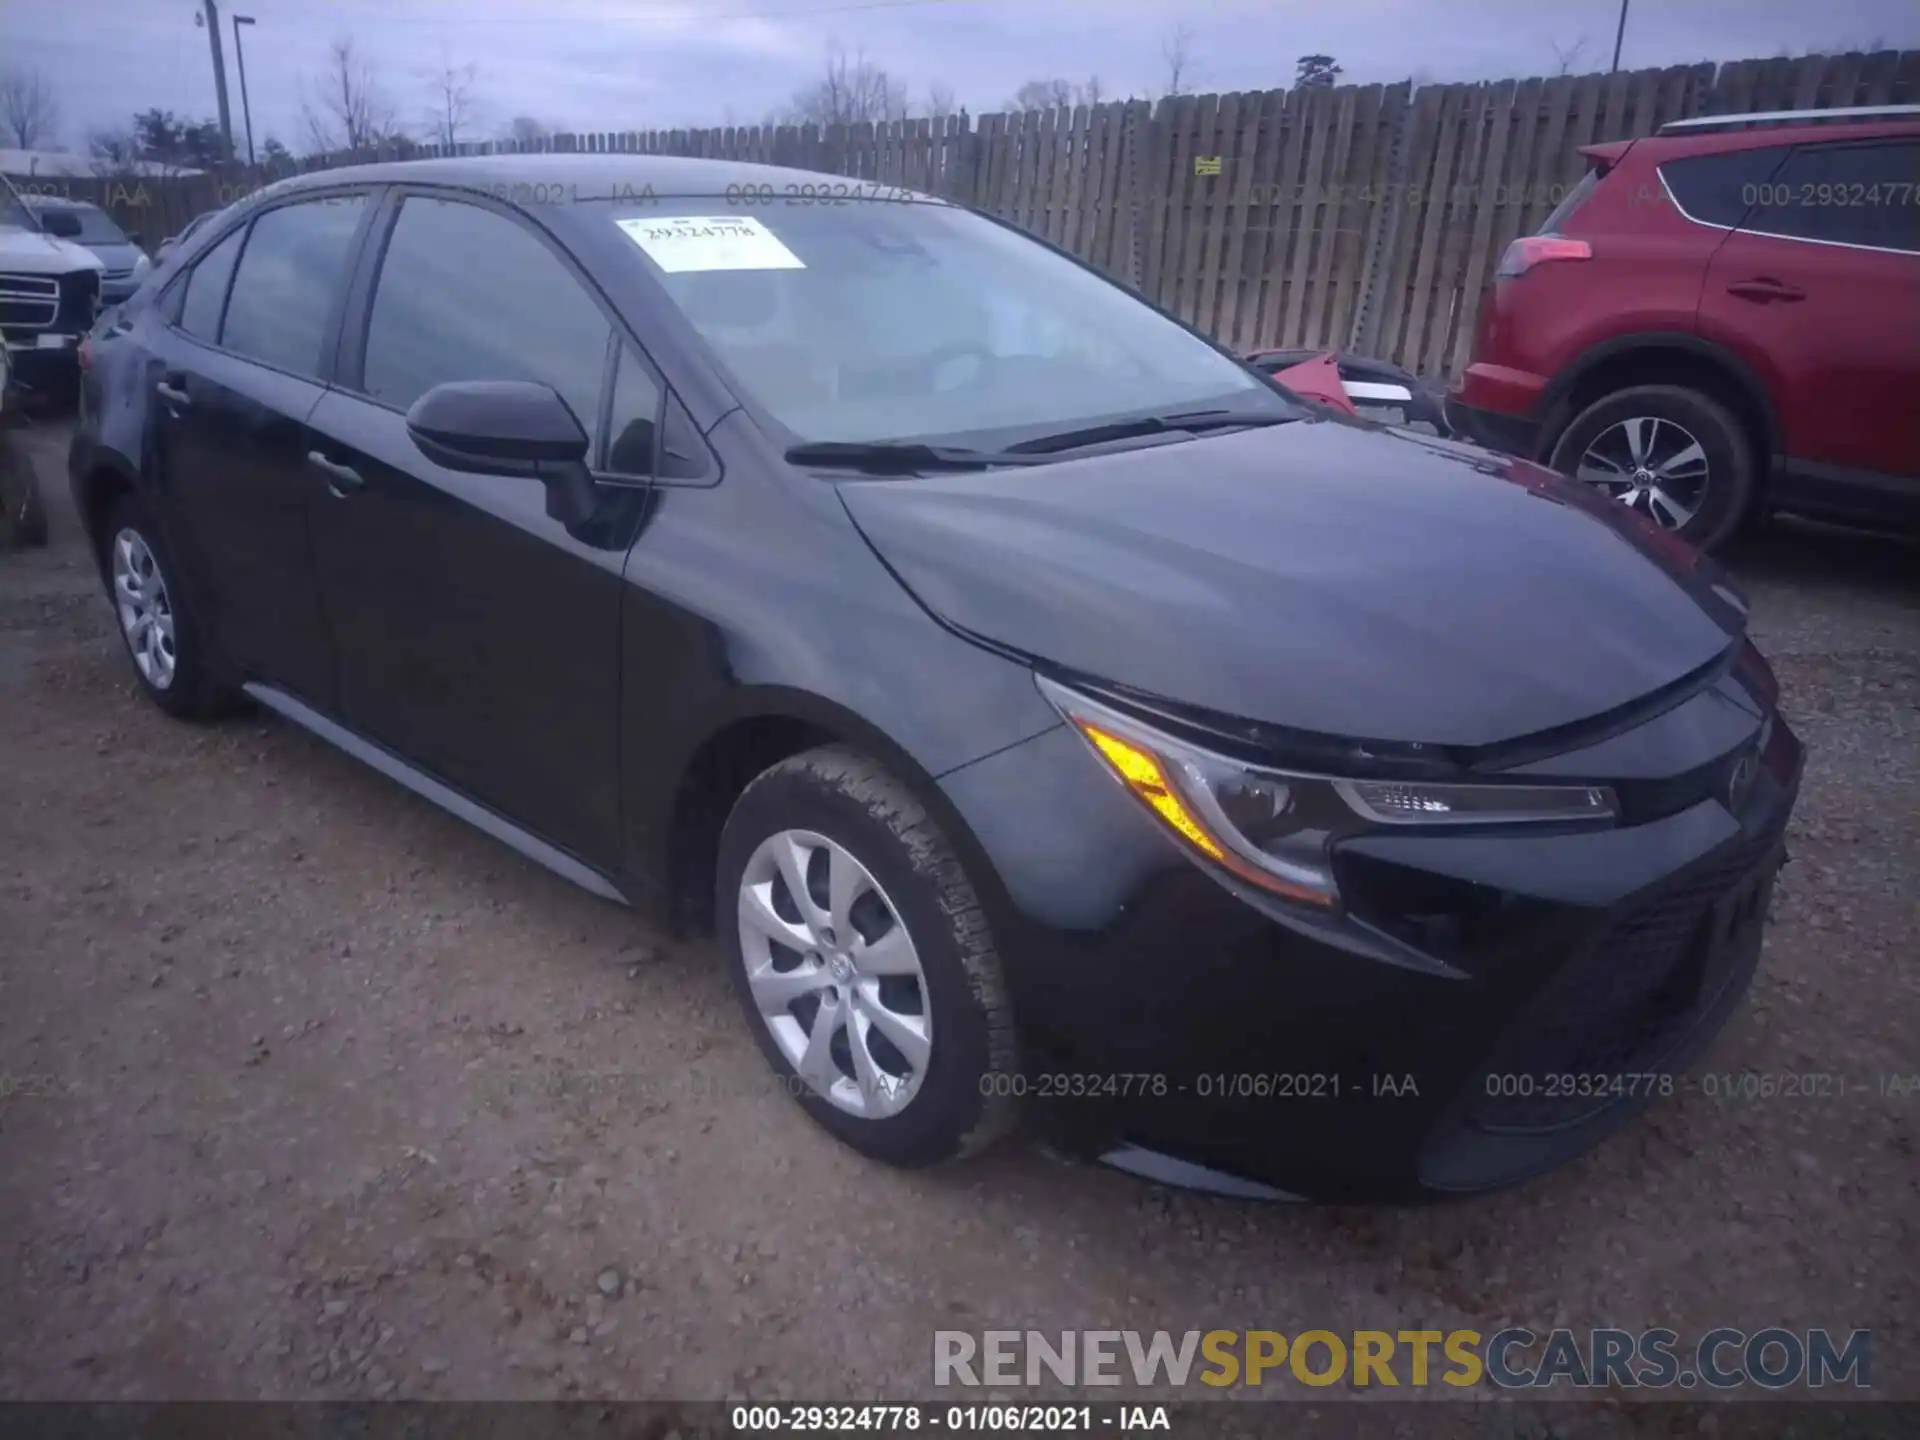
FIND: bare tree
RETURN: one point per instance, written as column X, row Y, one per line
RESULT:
column 527, row 132
column 451, row 113
column 1049, row 94
column 1846, row 47
column 112, row 151
column 350, row 112
column 1053, row 93
column 28, row 110
column 941, row 101
column 1177, row 51
column 1565, row 57
column 853, row 91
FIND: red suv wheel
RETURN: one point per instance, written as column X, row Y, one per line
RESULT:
column 1676, row 455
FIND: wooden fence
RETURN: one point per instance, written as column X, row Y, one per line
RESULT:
column 1365, row 216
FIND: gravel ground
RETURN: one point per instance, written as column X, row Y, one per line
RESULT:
column 279, row 1040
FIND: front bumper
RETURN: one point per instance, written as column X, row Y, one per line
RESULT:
column 1509, row 434
column 1187, row 1034
column 49, row 362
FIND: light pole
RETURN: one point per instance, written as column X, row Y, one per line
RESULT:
column 209, row 17
column 240, row 55
column 1620, row 34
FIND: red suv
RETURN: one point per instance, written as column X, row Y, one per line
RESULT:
column 1720, row 319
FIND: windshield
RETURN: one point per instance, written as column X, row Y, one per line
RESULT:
column 96, row 226
column 13, row 210
column 868, row 321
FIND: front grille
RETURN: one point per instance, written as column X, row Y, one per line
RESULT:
column 29, row 302
column 65, row 304
column 1618, row 1009
column 79, row 300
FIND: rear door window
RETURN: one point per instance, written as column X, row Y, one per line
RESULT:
column 1862, row 194
column 290, row 275
column 1720, row 189
column 206, row 289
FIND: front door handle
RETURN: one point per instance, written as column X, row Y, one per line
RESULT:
column 172, row 393
column 342, row 480
column 1764, row 289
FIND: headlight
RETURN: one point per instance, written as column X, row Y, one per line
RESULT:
column 1276, row 828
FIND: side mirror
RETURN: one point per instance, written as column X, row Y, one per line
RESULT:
column 508, row 427
column 63, row 224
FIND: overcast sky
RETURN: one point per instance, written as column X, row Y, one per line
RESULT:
column 637, row 64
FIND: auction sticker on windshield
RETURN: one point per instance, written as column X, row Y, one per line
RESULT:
column 710, row 242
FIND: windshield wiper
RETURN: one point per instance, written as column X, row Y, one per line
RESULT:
column 1191, row 421
column 900, row 457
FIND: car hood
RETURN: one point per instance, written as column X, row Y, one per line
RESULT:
column 116, row 257
column 1325, row 576
column 34, row 253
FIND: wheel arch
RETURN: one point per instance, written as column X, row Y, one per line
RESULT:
column 763, row 727
column 1664, row 358
column 96, row 490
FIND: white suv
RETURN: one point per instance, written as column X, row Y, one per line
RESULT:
column 49, row 297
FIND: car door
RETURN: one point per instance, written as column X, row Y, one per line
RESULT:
column 478, row 636
column 1819, row 290
column 239, row 370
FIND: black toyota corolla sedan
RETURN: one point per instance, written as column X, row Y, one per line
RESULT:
column 1044, row 709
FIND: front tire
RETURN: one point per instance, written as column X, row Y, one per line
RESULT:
column 1677, row 455
column 163, row 640
column 863, row 960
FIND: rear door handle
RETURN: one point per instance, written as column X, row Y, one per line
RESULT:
column 172, row 393
column 1765, row 289
column 342, row 480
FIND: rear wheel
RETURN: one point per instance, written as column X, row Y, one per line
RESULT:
column 863, row 960
column 1677, row 455
column 163, row 641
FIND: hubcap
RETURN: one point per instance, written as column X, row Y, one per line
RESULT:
column 834, row 974
column 146, row 610
column 1651, row 464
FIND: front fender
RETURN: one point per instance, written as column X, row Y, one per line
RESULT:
column 758, row 599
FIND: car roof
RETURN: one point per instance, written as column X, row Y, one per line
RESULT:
column 58, row 202
column 1758, row 137
column 608, row 173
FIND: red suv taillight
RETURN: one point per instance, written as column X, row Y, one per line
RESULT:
column 1531, row 250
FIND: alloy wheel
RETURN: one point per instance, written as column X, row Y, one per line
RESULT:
column 145, row 609
column 834, row 975
column 1651, row 464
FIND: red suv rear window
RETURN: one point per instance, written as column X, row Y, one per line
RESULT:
column 1718, row 189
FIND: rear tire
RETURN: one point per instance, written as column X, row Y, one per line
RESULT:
column 1677, row 455
column 832, row 816
column 162, row 635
